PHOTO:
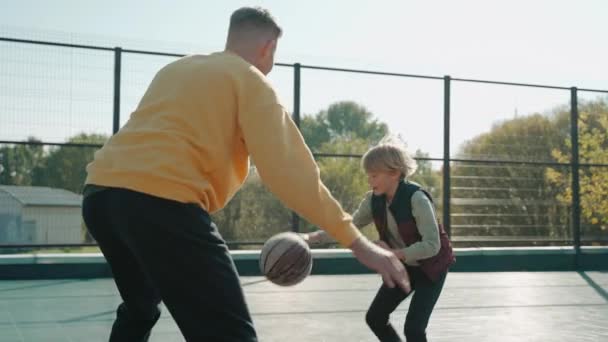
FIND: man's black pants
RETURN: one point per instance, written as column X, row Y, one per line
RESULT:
column 160, row 249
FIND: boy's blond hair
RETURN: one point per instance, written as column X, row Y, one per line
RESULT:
column 389, row 155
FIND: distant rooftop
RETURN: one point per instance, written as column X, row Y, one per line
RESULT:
column 43, row 196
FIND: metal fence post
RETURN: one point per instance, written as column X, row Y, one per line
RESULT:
column 446, row 154
column 576, row 201
column 295, row 219
column 117, row 71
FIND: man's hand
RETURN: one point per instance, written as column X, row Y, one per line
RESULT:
column 304, row 236
column 382, row 261
column 314, row 237
column 382, row 244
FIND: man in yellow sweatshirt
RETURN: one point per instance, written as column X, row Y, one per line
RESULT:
column 183, row 154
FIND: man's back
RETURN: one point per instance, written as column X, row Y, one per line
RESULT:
column 182, row 142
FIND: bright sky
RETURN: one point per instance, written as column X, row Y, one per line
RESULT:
column 545, row 42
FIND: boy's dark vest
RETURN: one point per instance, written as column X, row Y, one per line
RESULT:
column 401, row 208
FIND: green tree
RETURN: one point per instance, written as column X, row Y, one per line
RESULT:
column 343, row 176
column 510, row 199
column 254, row 214
column 341, row 120
column 344, row 128
column 17, row 162
column 593, row 149
column 533, row 200
column 347, row 128
column 427, row 177
column 65, row 166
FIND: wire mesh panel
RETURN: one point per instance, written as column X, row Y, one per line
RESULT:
column 54, row 93
column 504, row 205
column 508, row 123
column 594, row 204
column 351, row 104
column 510, row 181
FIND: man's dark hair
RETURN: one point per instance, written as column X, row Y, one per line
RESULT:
column 248, row 18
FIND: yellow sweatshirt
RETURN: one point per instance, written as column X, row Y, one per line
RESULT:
column 190, row 138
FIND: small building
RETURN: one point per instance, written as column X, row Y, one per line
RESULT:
column 39, row 215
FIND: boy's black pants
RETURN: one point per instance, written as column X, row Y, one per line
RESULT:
column 425, row 295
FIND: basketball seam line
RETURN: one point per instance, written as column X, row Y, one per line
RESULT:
column 279, row 258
